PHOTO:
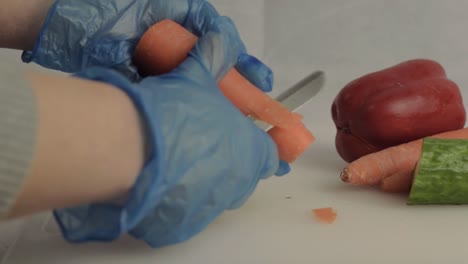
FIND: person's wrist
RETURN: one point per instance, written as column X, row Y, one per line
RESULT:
column 21, row 23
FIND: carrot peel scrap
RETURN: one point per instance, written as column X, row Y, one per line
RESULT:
column 326, row 215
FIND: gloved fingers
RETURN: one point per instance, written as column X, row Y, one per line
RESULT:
column 255, row 71
column 216, row 52
column 199, row 22
column 283, row 169
column 267, row 162
column 270, row 159
column 200, row 16
column 194, row 15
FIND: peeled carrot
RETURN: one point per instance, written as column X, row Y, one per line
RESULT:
column 252, row 101
column 291, row 142
column 326, row 215
column 392, row 167
column 166, row 44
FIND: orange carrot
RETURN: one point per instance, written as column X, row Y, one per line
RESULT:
column 392, row 167
column 162, row 48
column 291, row 142
column 398, row 182
column 252, row 101
column 166, row 44
column 326, row 215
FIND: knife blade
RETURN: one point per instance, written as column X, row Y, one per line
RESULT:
column 298, row 94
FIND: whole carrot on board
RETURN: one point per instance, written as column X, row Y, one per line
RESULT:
column 392, row 168
column 166, row 44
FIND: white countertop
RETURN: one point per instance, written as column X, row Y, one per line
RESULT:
column 346, row 39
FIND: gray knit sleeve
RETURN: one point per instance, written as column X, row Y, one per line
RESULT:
column 18, row 121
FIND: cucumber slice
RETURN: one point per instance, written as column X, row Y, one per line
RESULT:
column 441, row 176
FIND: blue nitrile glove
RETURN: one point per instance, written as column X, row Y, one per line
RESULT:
column 81, row 33
column 205, row 155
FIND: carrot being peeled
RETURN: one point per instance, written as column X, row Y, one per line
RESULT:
column 291, row 142
column 392, row 167
column 252, row 101
column 162, row 48
column 166, row 44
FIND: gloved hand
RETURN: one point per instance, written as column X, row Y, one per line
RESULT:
column 81, row 33
column 205, row 155
column 78, row 34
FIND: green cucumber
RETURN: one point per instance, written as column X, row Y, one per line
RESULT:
column 441, row 176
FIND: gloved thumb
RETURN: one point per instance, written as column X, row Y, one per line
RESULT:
column 216, row 52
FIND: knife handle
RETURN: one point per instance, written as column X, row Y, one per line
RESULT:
column 166, row 44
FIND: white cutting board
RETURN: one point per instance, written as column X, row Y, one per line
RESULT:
column 345, row 39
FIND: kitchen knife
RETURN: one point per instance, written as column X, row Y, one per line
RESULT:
column 297, row 95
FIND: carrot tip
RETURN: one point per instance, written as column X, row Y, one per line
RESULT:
column 345, row 175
